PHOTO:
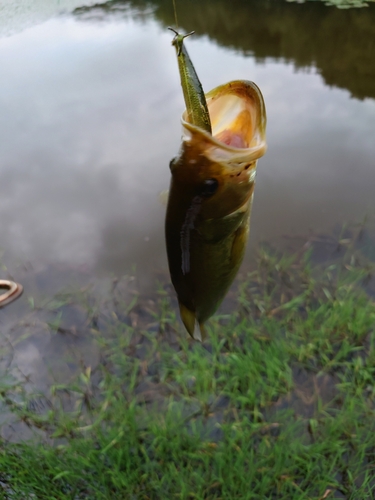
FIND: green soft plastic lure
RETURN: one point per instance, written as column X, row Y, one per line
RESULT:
column 195, row 100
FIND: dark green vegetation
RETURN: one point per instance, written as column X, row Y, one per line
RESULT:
column 277, row 404
column 340, row 4
column 339, row 43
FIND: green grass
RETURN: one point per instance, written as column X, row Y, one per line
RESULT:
column 277, row 404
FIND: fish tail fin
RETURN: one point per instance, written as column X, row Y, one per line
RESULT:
column 202, row 332
column 188, row 319
column 191, row 324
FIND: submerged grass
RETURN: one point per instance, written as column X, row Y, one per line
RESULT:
column 277, row 404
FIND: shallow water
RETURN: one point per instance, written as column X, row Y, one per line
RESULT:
column 91, row 103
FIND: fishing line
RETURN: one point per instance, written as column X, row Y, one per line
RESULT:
column 175, row 13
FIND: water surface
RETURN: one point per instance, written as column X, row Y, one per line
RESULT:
column 91, row 103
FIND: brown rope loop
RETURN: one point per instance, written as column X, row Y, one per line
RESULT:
column 13, row 291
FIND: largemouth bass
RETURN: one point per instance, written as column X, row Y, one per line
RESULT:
column 210, row 197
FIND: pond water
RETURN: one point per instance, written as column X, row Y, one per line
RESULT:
column 90, row 116
column 90, row 104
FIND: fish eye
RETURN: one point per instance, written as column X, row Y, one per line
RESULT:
column 209, row 188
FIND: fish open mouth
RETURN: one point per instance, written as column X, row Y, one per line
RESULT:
column 238, row 120
column 232, row 120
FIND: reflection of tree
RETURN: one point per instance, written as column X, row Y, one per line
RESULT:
column 340, row 43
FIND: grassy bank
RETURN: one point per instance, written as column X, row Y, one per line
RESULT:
column 277, row 404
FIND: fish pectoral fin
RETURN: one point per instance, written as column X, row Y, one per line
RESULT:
column 191, row 324
column 163, row 197
column 239, row 243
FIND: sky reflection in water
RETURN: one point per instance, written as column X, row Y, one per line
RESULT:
column 90, row 119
